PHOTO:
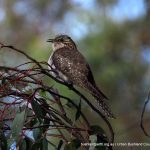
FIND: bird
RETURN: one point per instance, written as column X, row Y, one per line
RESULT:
column 70, row 65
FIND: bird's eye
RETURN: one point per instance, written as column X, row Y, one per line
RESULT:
column 61, row 40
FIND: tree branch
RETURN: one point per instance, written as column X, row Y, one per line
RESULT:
column 142, row 115
column 14, row 75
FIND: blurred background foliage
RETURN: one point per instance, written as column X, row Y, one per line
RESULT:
column 114, row 36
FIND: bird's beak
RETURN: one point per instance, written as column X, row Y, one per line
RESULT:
column 50, row 40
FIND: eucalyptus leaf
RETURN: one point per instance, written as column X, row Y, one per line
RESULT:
column 3, row 141
column 37, row 133
column 45, row 144
column 36, row 146
column 39, row 112
column 3, row 81
column 60, row 144
column 17, row 124
column 78, row 113
column 23, row 145
column 42, row 93
column 95, row 129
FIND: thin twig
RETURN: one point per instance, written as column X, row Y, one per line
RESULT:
column 30, row 73
column 142, row 115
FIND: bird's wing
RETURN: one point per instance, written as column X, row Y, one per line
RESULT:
column 72, row 64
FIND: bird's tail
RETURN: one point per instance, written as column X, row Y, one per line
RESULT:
column 101, row 99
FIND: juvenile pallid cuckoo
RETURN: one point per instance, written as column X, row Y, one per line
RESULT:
column 71, row 67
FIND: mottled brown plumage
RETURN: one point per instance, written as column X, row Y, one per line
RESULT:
column 72, row 67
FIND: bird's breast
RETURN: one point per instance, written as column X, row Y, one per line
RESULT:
column 54, row 70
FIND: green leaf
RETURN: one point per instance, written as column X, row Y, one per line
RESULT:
column 41, row 144
column 73, row 145
column 3, row 141
column 45, row 144
column 3, row 81
column 64, row 102
column 95, row 129
column 42, row 93
column 60, row 144
column 10, row 141
column 78, row 113
column 37, row 109
column 17, row 124
column 36, row 146
column 33, row 122
column 23, row 145
column 37, row 133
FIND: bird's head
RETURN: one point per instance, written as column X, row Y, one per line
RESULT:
column 62, row 41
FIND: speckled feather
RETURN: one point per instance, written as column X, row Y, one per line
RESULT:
column 72, row 64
